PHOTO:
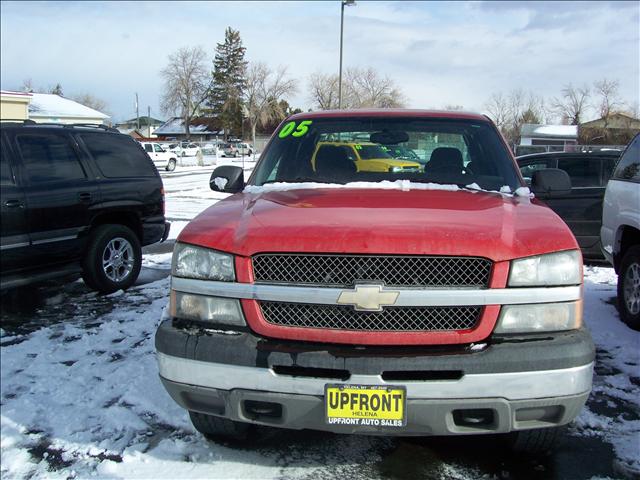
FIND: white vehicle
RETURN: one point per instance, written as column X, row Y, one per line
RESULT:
column 187, row 149
column 161, row 158
column 620, row 232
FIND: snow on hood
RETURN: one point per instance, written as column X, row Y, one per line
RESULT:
column 403, row 185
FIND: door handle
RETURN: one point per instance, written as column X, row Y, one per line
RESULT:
column 84, row 196
column 13, row 204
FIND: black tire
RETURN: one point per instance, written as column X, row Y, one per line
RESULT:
column 123, row 269
column 171, row 166
column 629, row 287
column 534, row 441
column 214, row 427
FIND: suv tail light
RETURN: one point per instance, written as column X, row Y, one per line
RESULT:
column 162, row 194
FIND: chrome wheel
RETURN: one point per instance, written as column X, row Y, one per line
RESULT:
column 117, row 259
column 631, row 288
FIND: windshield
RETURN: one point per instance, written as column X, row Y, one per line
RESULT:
column 445, row 151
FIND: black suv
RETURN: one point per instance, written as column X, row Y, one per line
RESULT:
column 581, row 209
column 76, row 198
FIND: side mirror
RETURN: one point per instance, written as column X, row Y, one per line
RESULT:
column 550, row 182
column 227, row 179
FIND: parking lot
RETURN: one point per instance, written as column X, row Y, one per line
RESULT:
column 81, row 396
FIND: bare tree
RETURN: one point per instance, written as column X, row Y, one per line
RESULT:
column 362, row 88
column 510, row 111
column 634, row 109
column 498, row 109
column 264, row 91
column 91, row 101
column 187, row 83
column 323, row 90
column 609, row 101
column 27, row 85
column 366, row 89
column 573, row 103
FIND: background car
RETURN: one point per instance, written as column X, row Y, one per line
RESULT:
column 76, row 199
column 366, row 156
column 620, row 233
column 581, row 209
column 188, row 149
column 237, row 149
column 212, row 148
column 161, row 158
column 403, row 153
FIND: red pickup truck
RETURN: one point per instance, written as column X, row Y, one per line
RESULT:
column 443, row 300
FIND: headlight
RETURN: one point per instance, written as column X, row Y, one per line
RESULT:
column 196, row 262
column 543, row 317
column 396, row 169
column 553, row 269
column 188, row 306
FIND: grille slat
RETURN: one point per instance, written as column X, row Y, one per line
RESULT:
column 393, row 271
column 398, row 319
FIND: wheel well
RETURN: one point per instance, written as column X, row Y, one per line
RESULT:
column 128, row 219
column 630, row 236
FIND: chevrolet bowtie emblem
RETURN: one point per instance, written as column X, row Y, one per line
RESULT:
column 368, row 298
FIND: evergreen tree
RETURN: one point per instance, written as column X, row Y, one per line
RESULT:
column 57, row 90
column 229, row 82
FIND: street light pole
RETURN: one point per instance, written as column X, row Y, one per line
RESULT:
column 342, row 4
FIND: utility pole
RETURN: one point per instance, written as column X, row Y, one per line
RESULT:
column 342, row 4
column 137, row 114
column 148, row 121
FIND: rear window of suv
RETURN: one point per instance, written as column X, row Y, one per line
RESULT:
column 118, row 155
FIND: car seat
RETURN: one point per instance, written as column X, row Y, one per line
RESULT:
column 446, row 160
column 333, row 162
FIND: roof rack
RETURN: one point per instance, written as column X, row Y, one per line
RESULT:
column 64, row 125
column 93, row 125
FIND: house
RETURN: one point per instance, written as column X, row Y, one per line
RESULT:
column 200, row 129
column 51, row 108
column 14, row 105
column 546, row 138
column 133, row 132
column 618, row 128
column 145, row 126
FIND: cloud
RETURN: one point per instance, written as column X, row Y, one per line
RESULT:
column 437, row 52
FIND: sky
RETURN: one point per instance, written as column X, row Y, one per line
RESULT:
column 437, row 53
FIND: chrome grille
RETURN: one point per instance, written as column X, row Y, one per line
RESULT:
column 396, row 271
column 391, row 319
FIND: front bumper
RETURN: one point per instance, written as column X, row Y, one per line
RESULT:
column 522, row 382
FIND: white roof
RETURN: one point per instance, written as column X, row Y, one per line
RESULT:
column 564, row 131
column 560, row 130
column 50, row 105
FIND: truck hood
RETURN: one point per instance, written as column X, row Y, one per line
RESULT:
column 378, row 221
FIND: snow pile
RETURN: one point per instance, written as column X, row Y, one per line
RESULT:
column 617, row 373
column 220, row 182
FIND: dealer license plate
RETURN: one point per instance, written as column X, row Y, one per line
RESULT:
column 365, row 405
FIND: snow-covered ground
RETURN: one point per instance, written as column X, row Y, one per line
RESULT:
column 80, row 397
